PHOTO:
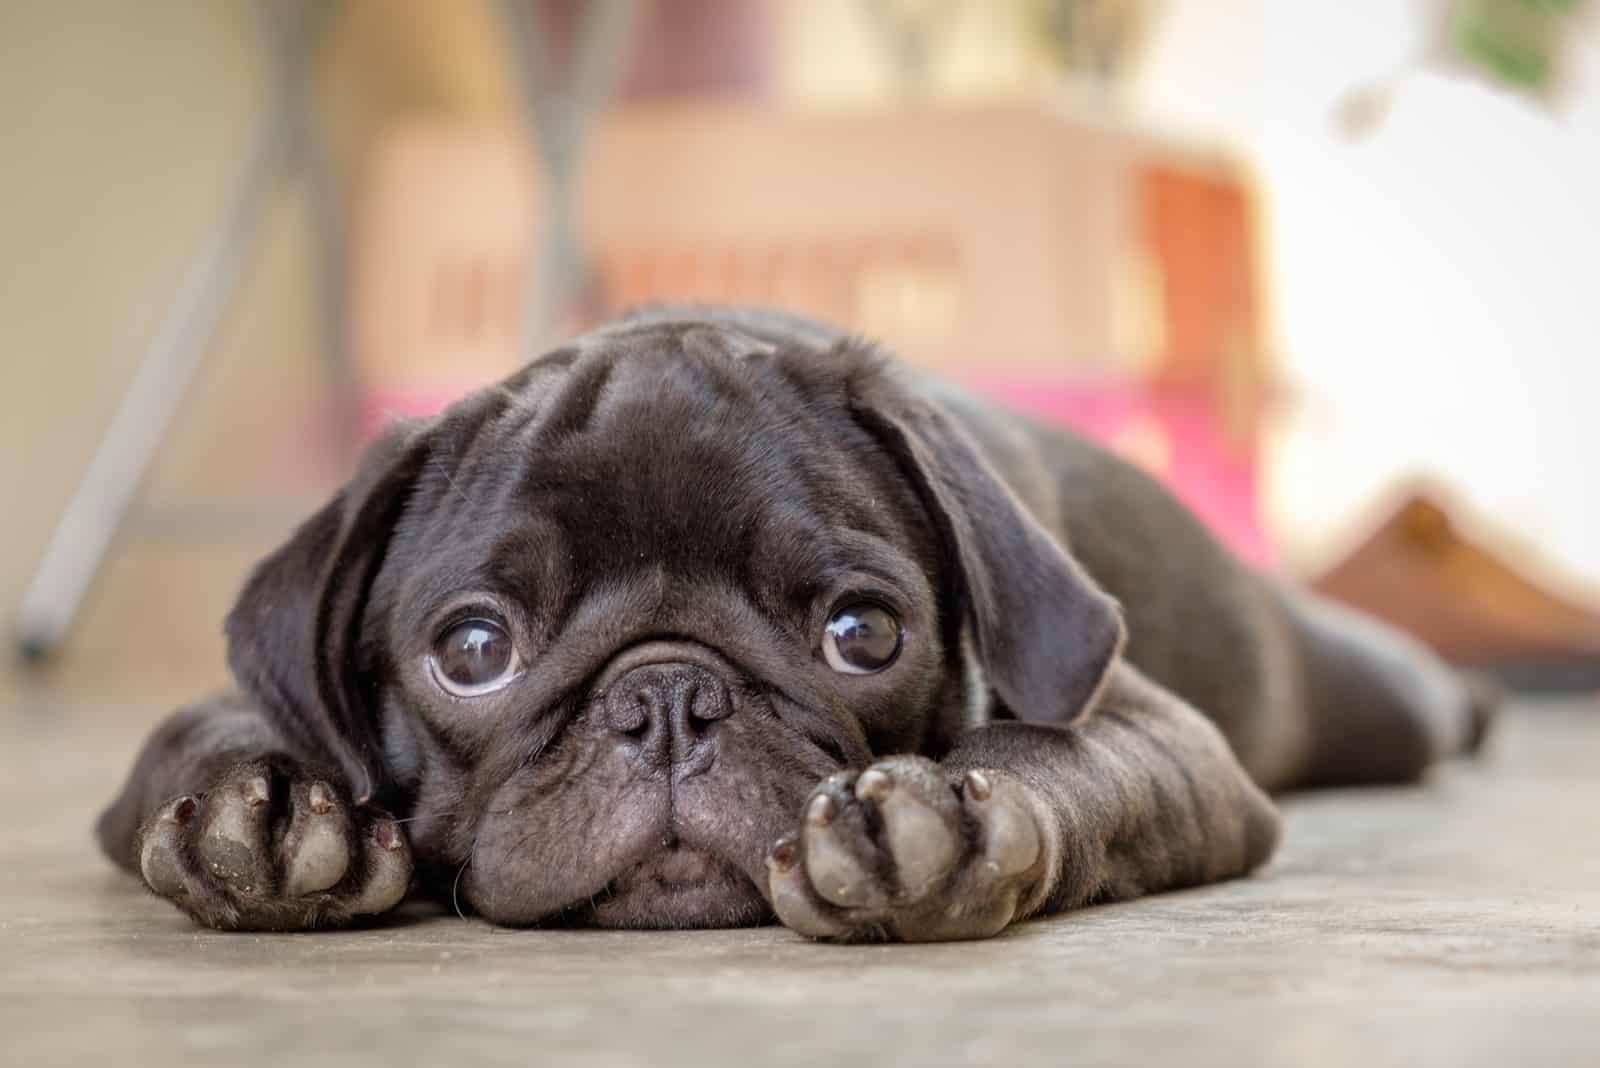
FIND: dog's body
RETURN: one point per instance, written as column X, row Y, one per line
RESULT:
column 598, row 634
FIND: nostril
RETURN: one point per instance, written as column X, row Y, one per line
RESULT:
column 627, row 713
column 636, row 720
column 709, row 703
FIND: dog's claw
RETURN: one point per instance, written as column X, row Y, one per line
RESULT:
column 1010, row 839
column 390, row 874
column 232, row 825
column 256, row 791
column 320, row 798
column 793, row 897
column 158, row 852
column 317, row 845
column 873, row 785
column 265, row 849
column 784, row 854
column 898, row 851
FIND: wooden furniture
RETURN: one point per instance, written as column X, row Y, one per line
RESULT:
column 1419, row 570
column 1093, row 273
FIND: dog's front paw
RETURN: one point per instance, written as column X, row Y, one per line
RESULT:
column 898, row 851
column 270, row 848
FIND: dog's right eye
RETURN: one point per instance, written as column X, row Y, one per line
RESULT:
column 473, row 658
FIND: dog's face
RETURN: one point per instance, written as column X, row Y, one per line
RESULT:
column 603, row 627
column 633, row 615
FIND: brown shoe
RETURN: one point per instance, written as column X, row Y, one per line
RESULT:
column 1419, row 572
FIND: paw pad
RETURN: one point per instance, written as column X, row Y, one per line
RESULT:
column 897, row 849
column 266, row 849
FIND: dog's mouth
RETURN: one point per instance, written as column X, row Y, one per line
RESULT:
column 679, row 887
column 677, row 865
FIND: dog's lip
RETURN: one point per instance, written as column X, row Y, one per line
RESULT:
column 678, row 887
column 726, row 902
column 675, row 865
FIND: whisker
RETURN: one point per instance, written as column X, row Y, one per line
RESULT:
column 444, row 814
column 455, row 887
column 439, row 814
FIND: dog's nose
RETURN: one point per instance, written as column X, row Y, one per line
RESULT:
column 667, row 710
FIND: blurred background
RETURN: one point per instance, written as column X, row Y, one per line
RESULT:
column 1328, row 269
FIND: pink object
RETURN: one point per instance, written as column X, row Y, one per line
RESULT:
column 383, row 403
column 1173, row 432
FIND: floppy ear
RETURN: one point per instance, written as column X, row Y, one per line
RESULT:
column 1046, row 635
column 292, row 634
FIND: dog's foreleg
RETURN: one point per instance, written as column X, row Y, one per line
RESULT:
column 1024, row 819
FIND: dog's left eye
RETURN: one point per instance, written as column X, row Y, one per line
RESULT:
column 473, row 658
column 861, row 639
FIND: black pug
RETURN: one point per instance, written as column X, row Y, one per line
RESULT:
column 715, row 616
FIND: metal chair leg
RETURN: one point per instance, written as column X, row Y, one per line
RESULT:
column 96, row 509
column 559, row 113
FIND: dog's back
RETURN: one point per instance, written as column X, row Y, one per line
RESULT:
column 1307, row 692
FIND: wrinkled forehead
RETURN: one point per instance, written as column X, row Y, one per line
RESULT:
column 620, row 372
column 683, row 447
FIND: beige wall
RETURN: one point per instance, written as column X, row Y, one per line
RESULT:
column 123, row 124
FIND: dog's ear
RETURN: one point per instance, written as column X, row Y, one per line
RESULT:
column 292, row 634
column 1046, row 635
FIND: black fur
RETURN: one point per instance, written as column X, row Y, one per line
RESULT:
column 689, row 495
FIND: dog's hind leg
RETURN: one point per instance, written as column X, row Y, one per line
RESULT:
column 1381, row 707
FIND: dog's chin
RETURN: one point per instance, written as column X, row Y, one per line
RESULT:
column 678, row 888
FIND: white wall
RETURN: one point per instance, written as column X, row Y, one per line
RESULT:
column 1436, row 284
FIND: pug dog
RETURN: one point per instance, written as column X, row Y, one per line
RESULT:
column 716, row 616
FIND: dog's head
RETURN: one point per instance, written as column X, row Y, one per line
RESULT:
column 602, row 627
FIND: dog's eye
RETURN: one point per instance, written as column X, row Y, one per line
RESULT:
column 861, row 638
column 473, row 658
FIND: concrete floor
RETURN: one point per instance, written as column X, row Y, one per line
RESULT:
column 1456, row 924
